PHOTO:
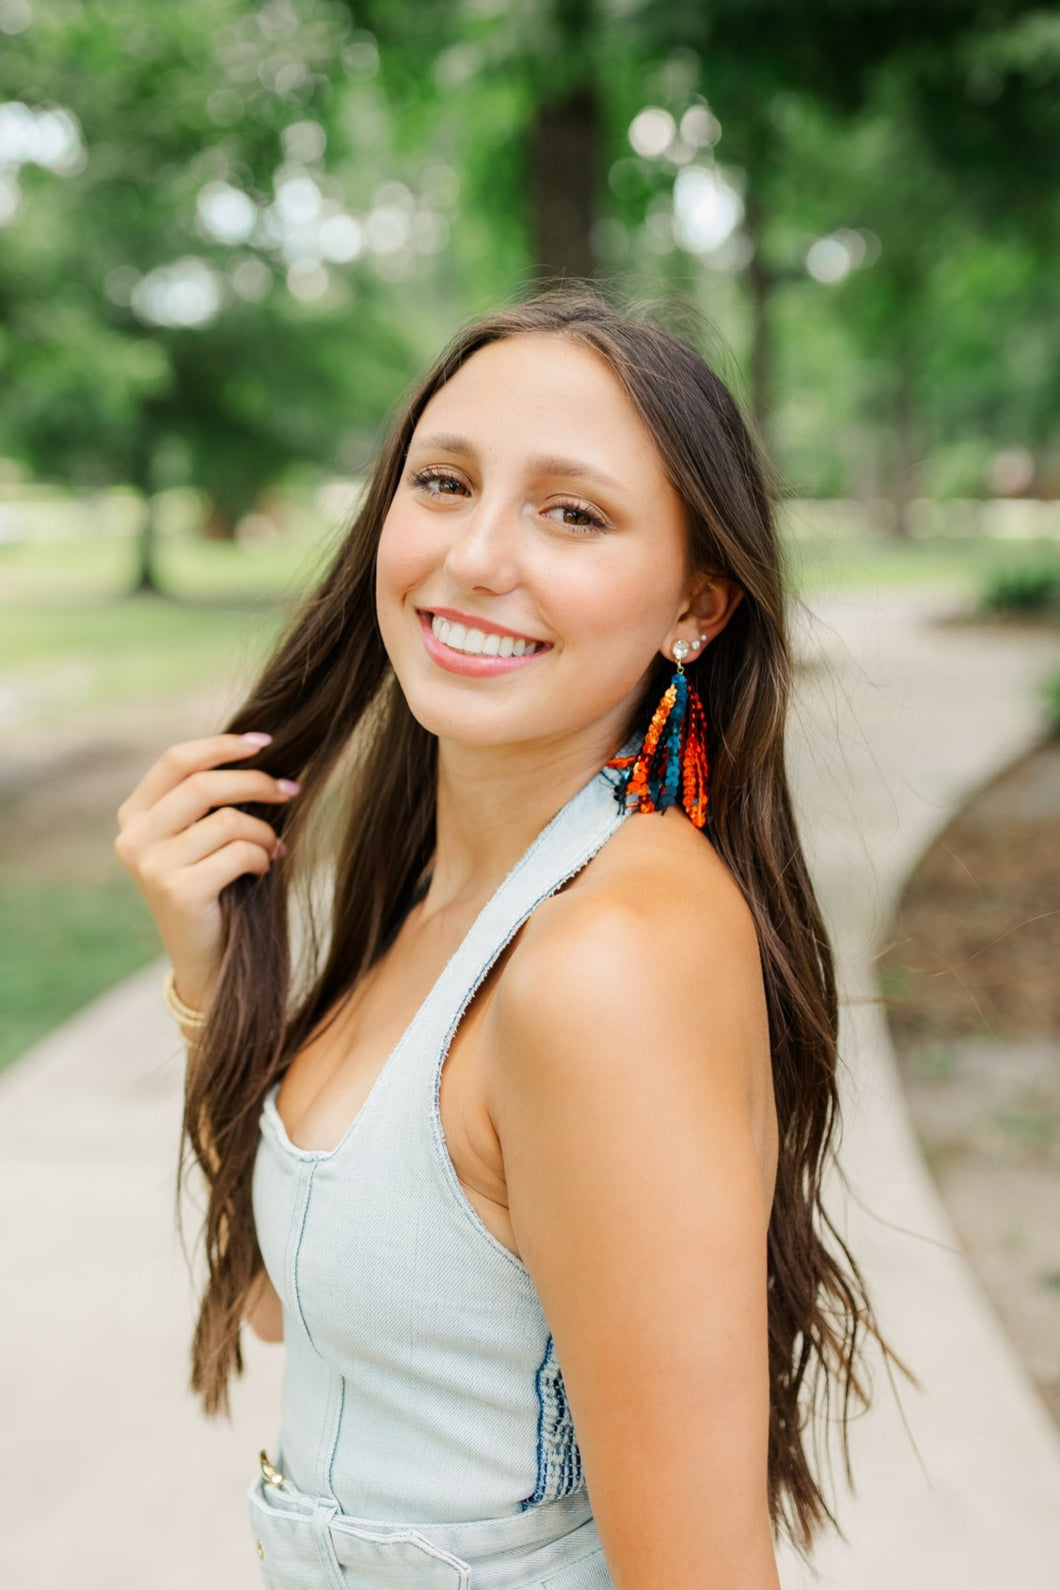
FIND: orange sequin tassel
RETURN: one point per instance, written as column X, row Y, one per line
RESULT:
column 671, row 765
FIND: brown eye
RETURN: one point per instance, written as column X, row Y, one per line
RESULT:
column 437, row 484
column 577, row 516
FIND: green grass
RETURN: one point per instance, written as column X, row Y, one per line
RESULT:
column 61, row 944
column 965, row 563
column 72, row 569
column 56, row 661
column 72, row 639
column 77, row 556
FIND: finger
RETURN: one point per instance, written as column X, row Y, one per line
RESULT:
column 211, row 833
column 204, row 792
column 187, row 757
column 208, row 877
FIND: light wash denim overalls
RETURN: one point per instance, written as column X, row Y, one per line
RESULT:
column 426, row 1438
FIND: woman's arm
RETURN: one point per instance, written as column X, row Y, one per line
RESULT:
column 264, row 1312
column 633, row 1036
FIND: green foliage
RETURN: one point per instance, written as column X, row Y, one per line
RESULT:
column 1051, row 694
column 1022, row 588
column 173, row 104
column 918, row 122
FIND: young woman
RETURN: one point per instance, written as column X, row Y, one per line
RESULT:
column 523, row 1162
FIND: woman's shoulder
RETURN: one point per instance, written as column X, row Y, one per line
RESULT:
column 658, row 875
column 636, row 997
column 655, row 915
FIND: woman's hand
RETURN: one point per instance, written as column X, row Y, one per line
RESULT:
column 183, row 840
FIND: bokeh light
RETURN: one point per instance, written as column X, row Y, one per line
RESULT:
column 227, row 214
column 651, row 132
column 186, row 294
column 707, row 209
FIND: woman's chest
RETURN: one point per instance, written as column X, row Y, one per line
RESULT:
column 329, row 1080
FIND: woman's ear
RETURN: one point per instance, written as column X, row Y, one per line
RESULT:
column 711, row 603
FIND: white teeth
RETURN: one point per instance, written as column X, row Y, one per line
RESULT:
column 477, row 643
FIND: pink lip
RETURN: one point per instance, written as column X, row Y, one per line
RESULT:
column 456, row 662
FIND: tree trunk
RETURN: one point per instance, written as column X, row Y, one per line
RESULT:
column 562, row 150
column 145, row 582
column 220, row 523
column 904, row 442
column 761, row 282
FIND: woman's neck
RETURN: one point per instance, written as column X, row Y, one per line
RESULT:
column 492, row 803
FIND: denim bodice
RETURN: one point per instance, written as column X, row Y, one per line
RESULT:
column 421, row 1381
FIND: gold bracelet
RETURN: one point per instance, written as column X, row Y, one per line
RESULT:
column 184, row 1014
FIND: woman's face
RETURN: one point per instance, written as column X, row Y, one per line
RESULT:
column 534, row 558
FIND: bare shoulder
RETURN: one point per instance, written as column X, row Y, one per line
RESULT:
column 655, row 920
column 660, row 862
column 648, row 970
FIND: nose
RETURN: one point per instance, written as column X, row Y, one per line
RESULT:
column 484, row 552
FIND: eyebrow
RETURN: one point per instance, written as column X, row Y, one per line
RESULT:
column 543, row 464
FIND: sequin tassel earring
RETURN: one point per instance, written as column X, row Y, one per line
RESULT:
column 671, row 764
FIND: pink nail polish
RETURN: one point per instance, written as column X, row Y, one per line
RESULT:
column 257, row 739
column 287, row 786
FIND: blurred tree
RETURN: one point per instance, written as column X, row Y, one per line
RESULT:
column 756, row 56
column 173, row 300
column 954, row 301
column 557, row 159
column 228, row 255
column 563, row 141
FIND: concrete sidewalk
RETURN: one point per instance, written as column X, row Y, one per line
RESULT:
column 897, row 724
column 112, row 1480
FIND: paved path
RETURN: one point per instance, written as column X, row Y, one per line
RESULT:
column 111, row 1479
column 897, row 724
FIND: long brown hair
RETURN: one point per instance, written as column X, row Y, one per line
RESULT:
column 330, row 701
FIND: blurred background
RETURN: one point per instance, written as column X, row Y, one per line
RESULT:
column 230, row 233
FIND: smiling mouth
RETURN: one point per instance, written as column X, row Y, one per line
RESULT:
column 472, row 642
